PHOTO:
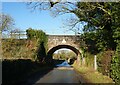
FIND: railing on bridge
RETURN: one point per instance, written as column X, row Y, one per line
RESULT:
column 23, row 35
column 15, row 35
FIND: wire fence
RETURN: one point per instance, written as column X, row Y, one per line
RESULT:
column 14, row 35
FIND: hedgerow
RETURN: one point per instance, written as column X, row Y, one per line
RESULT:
column 115, row 65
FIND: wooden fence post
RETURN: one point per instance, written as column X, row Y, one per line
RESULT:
column 95, row 62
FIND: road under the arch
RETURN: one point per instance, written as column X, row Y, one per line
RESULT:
column 60, row 74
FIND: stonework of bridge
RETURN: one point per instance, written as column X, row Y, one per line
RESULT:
column 56, row 42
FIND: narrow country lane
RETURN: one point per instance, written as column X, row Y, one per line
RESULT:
column 60, row 75
column 57, row 75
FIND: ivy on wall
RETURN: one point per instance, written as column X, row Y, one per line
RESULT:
column 40, row 38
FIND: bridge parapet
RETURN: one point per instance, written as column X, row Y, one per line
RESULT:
column 55, row 40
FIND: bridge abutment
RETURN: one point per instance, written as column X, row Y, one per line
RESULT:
column 72, row 42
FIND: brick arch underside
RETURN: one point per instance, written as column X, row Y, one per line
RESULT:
column 51, row 51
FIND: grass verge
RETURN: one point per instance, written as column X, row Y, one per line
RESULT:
column 92, row 76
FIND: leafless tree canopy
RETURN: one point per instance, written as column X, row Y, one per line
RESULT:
column 58, row 8
column 6, row 22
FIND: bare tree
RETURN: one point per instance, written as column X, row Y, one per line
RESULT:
column 6, row 22
column 58, row 8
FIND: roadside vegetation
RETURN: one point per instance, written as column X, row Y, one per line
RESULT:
column 101, row 36
column 24, row 57
column 64, row 55
column 18, row 71
column 101, row 30
column 91, row 76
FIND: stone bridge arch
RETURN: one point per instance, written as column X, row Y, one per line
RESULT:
column 52, row 50
column 72, row 42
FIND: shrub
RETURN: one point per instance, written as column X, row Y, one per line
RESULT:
column 104, row 62
column 40, row 38
column 115, row 65
column 89, row 59
column 14, row 48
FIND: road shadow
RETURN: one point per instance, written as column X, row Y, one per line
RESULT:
column 38, row 75
column 27, row 71
column 18, row 72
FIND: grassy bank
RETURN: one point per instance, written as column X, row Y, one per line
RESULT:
column 92, row 76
